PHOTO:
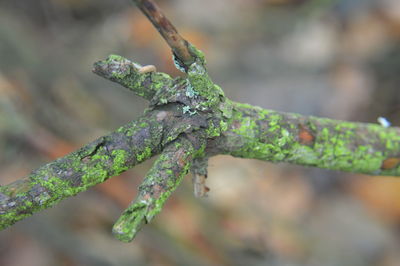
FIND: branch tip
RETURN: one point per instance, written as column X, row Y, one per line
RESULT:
column 180, row 47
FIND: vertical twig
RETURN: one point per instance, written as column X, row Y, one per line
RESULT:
column 179, row 46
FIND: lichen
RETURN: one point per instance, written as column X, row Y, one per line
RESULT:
column 144, row 155
column 126, row 73
column 340, row 145
column 119, row 161
column 190, row 92
column 178, row 64
column 187, row 109
column 162, row 179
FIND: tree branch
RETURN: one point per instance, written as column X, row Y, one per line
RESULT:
column 163, row 178
column 180, row 47
column 128, row 74
column 92, row 164
column 311, row 141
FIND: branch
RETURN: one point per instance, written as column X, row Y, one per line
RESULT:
column 131, row 75
column 92, row 164
column 311, row 141
column 181, row 48
column 163, row 178
column 117, row 152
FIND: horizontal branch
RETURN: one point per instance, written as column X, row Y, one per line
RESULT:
column 130, row 75
column 274, row 136
column 92, row 164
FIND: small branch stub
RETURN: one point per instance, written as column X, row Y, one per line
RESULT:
column 199, row 186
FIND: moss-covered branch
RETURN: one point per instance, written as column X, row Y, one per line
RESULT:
column 190, row 119
column 311, row 141
column 163, row 178
column 92, row 164
column 196, row 110
column 133, row 76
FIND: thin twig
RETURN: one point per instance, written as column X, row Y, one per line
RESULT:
column 179, row 46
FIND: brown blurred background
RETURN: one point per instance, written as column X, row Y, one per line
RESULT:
column 333, row 58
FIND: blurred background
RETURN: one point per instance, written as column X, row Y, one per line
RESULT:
column 334, row 58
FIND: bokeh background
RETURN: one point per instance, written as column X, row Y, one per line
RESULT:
column 332, row 58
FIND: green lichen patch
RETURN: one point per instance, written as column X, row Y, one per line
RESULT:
column 144, row 155
column 190, row 92
column 121, row 70
column 119, row 161
column 319, row 142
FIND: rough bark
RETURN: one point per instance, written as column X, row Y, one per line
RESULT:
column 311, row 141
column 163, row 178
column 92, row 164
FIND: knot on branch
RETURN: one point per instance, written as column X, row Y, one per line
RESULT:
column 191, row 103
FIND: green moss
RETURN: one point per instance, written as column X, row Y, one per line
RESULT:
column 94, row 175
column 197, row 54
column 120, row 72
column 247, row 128
column 200, row 152
column 223, row 125
column 114, row 57
column 178, row 145
column 345, row 146
column 160, row 201
column 215, row 128
column 144, row 155
column 226, row 108
column 274, row 122
column 131, row 221
column 166, row 175
column 200, row 83
column 119, row 162
column 59, row 188
column 125, row 72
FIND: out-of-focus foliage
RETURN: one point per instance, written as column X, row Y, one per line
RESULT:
column 331, row 58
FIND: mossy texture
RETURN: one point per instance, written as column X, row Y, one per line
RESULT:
column 163, row 178
column 107, row 156
column 319, row 142
column 121, row 70
column 189, row 119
